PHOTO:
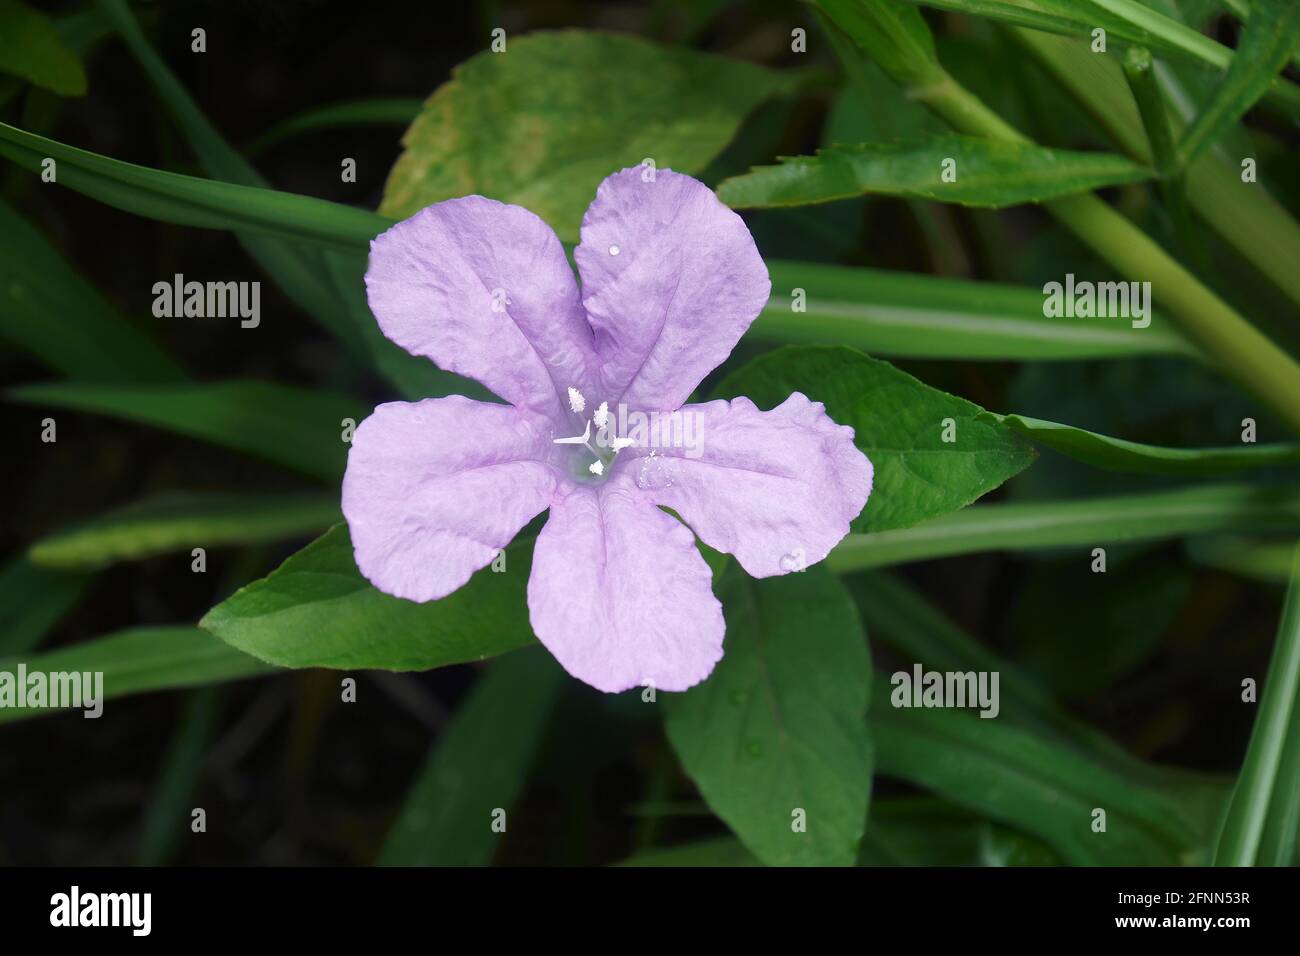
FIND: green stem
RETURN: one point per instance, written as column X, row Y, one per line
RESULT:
column 1243, row 352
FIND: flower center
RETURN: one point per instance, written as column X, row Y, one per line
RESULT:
column 595, row 452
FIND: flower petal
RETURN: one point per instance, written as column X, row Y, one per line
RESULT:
column 620, row 594
column 484, row 290
column 434, row 488
column 776, row 489
column 670, row 280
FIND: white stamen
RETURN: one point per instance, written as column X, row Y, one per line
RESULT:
column 576, row 439
column 597, row 467
column 576, row 401
column 621, row 443
column 601, row 415
column 613, row 250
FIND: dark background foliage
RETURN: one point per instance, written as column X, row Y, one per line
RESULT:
column 294, row 777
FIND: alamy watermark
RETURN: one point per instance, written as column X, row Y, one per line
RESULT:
column 208, row 300
column 57, row 690
column 922, row 688
column 1103, row 300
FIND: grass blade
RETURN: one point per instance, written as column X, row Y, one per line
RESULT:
column 918, row 316
column 1084, row 522
column 182, row 520
column 191, row 201
column 1264, row 802
column 478, row 767
column 50, row 311
column 1116, row 454
column 298, row 428
column 32, row 599
column 392, row 111
column 1264, row 48
column 140, row 660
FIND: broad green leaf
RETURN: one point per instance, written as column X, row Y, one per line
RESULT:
column 391, row 111
column 1116, row 454
column 1086, row 522
column 191, row 201
column 32, row 599
column 1029, row 782
column 30, row 48
column 140, row 660
column 983, row 172
column 1265, row 46
column 182, row 520
column 169, row 811
column 1263, row 814
column 899, row 423
column 542, row 124
column 918, row 316
column 1126, row 21
column 477, row 768
column 298, row 428
column 779, row 726
column 50, row 311
column 316, row 610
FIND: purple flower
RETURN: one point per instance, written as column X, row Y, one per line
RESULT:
column 595, row 429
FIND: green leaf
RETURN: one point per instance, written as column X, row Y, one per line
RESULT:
column 1084, row 522
column 140, row 660
column 1126, row 21
column 542, row 124
column 984, row 172
column 316, row 610
column 918, row 316
column 779, row 726
column 1116, row 454
column 181, row 520
column 899, row 423
column 1243, row 213
column 478, row 767
column 191, row 201
column 298, row 428
column 30, row 48
column 391, row 111
column 32, row 599
column 1261, row 824
column 1029, row 782
column 923, row 831
column 50, row 311
column 1265, row 46
column 893, row 34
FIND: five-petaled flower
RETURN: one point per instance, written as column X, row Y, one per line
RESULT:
column 671, row 279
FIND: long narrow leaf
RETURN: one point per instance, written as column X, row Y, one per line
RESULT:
column 1264, row 801
column 1084, row 522
column 299, row 428
column 960, row 169
column 181, row 520
column 140, row 660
